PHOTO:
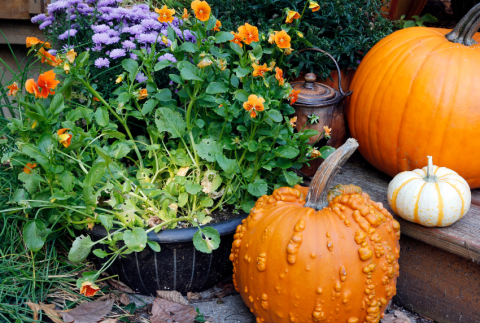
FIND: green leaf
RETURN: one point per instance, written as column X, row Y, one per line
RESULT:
column 193, row 188
column 248, row 205
column 208, row 149
column 228, row 165
column 291, row 177
column 429, row 18
column 33, row 152
column 95, row 174
column 223, row 36
column 275, row 115
column 326, row 151
column 284, row 163
column 66, row 180
column 30, row 182
column 188, row 74
column 209, row 243
column 44, row 142
column 155, row 246
column 131, row 66
column 164, row 95
column 183, row 199
column 121, row 150
column 104, row 154
column 258, row 188
column 286, row 152
column 215, row 88
column 106, row 220
column 123, row 98
column 57, row 106
column 101, row 115
column 100, row 253
column 162, row 64
column 176, row 78
column 34, row 115
column 171, row 33
column 236, row 48
column 307, row 133
column 148, row 106
column 253, row 146
column 206, row 202
column 242, row 71
column 35, row 234
column 188, row 47
column 212, row 21
column 171, row 121
column 114, row 134
column 135, row 239
column 257, row 51
column 80, row 249
column 241, row 95
column 408, row 24
column 89, row 199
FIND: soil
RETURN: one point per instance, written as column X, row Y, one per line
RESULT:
column 442, row 11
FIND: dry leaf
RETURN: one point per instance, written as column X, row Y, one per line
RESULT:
column 164, row 311
column 398, row 317
column 109, row 296
column 35, row 308
column 124, row 299
column 118, row 285
column 88, row 312
column 109, row 321
column 172, row 295
column 49, row 310
column 193, row 296
column 183, row 171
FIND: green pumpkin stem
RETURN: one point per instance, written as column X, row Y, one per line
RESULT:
column 317, row 197
column 467, row 27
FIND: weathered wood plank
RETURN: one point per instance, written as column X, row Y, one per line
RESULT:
column 437, row 284
column 461, row 238
column 17, row 31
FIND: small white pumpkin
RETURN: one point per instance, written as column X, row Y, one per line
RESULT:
column 432, row 196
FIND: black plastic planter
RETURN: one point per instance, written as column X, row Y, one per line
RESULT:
column 178, row 266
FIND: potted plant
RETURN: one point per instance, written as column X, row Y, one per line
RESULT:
column 218, row 141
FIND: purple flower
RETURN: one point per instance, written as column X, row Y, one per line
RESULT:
column 40, row 17
column 101, row 38
column 68, row 33
column 112, row 33
column 105, row 9
column 74, row 2
column 58, row 6
column 85, row 11
column 151, row 24
column 53, row 52
column 116, row 53
column 169, row 57
column 141, row 77
column 67, row 47
column 107, row 3
column 102, row 62
column 142, row 6
column 113, row 40
column 45, row 24
column 133, row 56
column 73, row 17
column 147, row 38
column 100, row 28
column 97, row 48
column 90, row 1
column 128, row 45
column 136, row 30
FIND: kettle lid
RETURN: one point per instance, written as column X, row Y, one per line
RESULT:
column 313, row 93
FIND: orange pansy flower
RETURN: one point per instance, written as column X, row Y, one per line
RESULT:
column 64, row 138
column 249, row 33
column 27, row 169
column 46, row 83
column 253, row 105
column 282, row 39
column 143, row 94
column 315, row 153
column 238, row 38
column 49, row 58
column 293, row 97
column 259, row 70
column 13, row 89
column 89, row 289
column 328, row 131
column 32, row 41
column 185, row 15
column 71, row 56
column 279, row 76
column 293, row 122
column 202, row 10
column 314, row 6
column 291, row 15
column 96, row 99
column 218, row 24
column 165, row 14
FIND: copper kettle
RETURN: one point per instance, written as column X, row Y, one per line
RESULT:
column 324, row 105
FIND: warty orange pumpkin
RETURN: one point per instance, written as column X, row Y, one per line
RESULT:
column 314, row 255
column 417, row 93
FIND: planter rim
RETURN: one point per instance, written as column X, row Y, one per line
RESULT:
column 183, row 234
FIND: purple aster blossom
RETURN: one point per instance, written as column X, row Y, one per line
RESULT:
column 170, row 83
column 127, row 44
column 74, row 26
column 45, row 24
column 107, row 3
column 74, row 2
column 147, row 38
column 100, row 28
column 68, row 33
column 73, row 17
column 116, row 53
column 113, row 40
column 97, row 48
column 169, row 57
column 151, row 24
column 90, row 1
column 107, row 52
column 141, row 77
column 37, row 18
column 142, row 6
column 102, row 62
column 85, row 11
column 112, row 33
column 189, row 36
column 57, row 6
column 105, row 9
column 133, row 56
column 136, row 29
column 67, row 47
column 82, row 5
column 101, row 38
column 53, row 52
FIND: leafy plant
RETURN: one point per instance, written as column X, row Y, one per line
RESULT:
column 416, row 22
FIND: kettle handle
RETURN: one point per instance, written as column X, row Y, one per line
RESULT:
column 334, row 61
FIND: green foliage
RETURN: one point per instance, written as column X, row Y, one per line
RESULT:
column 416, row 22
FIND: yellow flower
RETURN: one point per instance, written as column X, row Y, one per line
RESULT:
column 291, row 15
column 314, row 6
column 164, row 39
column 185, row 15
column 259, row 70
column 299, row 34
column 271, row 38
column 71, row 56
column 288, row 51
column 293, row 122
column 271, row 65
column 222, row 64
column 66, row 67
column 34, row 125
column 202, row 10
column 253, row 105
column 328, row 131
column 64, row 138
column 204, row 63
column 119, row 79
column 315, row 153
column 165, row 14
column 282, row 39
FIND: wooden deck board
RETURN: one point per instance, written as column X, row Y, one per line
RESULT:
column 461, row 238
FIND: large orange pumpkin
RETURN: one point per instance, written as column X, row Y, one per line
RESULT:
column 417, row 94
column 316, row 255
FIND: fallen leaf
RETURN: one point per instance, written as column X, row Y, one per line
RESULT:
column 183, row 171
column 49, row 310
column 164, row 311
column 35, row 308
column 118, row 285
column 109, row 296
column 109, row 321
column 124, row 299
column 172, row 295
column 193, row 296
column 397, row 317
column 88, row 312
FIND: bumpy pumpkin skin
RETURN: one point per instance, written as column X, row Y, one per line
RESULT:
column 337, row 265
column 417, row 94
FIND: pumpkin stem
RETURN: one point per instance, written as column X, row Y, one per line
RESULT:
column 467, row 27
column 430, row 174
column 318, row 191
